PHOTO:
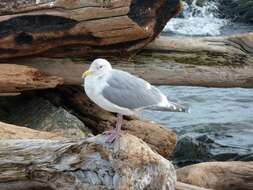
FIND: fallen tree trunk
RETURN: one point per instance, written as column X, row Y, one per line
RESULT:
column 211, row 62
column 219, row 175
column 83, row 164
column 60, row 28
column 98, row 120
column 16, row 78
column 8, row 131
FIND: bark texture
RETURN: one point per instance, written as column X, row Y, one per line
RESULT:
column 63, row 28
column 219, row 175
column 83, row 164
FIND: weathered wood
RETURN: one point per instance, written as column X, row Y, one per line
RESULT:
column 16, row 78
column 184, row 186
column 219, row 175
column 8, row 131
column 60, row 28
column 212, row 62
column 83, row 164
column 98, row 120
column 230, row 46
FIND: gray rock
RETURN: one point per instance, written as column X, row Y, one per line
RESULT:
column 238, row 10
column 192, row 150
column 38, row 113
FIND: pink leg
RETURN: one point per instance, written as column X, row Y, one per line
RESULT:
column 113, row 135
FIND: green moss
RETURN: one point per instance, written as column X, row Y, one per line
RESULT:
column 195, row 59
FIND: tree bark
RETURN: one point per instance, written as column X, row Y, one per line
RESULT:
column 128, row 163
column 98, row 120
column 60, row 28
column 16, row 78
column 219, row 175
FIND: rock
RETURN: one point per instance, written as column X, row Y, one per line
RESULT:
column 38, row 113
column 89, row 164
column 237, row 10
column 190, row 151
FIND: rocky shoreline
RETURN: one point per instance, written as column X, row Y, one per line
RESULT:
column 51, row 134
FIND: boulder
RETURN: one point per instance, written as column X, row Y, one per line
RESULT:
column 37, row 113
column 190, row 151
column 237, row 10
column 203, row 148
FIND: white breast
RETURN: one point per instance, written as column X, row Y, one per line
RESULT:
column 94, row 86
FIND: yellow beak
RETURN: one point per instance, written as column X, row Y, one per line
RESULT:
column 86, row 73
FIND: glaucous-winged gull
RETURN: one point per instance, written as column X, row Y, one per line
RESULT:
column 122, row 93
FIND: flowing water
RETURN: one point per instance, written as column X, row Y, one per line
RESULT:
column 203, row 20
column 224, row 115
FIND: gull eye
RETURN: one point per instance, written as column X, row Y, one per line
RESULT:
column 101, row 66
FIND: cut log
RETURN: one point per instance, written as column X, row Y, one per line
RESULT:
column 16, row 78
column 60, row 28
column 97, row 120
column 184, row 186
column 8, row 131
column 211, row 62
column 219, row 175
column 83, row 164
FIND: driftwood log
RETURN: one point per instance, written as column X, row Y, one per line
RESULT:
column 184, row 186
column 8, row 131
column 16, row 78
column 219, row 175
column 212, row 62
column 98, row 120
column 62, row 28
column 83, row 164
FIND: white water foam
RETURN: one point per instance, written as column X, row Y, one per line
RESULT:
column 197, row 21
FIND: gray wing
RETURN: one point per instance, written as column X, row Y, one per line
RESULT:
column 131, row 92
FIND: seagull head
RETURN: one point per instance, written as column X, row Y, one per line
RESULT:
column 98, row 67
